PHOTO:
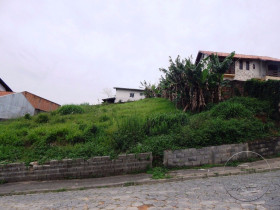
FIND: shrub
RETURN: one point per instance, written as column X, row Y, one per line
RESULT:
column 27, row 116
column 57, row 135
column 70, row 109
column 266, row 90
column 163, row 123
column 9, row 153
column 228, row 110
column 255, row 105
column 218, row 131
column 130, row 131
column 156, row 145
column 42, row 118
column 159, row 173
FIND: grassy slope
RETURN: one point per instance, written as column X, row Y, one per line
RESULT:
column 147, row 125
column 70, row 135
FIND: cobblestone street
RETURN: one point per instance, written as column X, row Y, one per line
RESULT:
column 208, row 193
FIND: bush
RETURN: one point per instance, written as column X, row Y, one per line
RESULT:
column 265, row 90
column 130, row 132
column 42, row 118
column 228, row 110
column 255, row 105
column 163, row 123
column 156, row 145
column 218, row 131
column 27, row 116
column 70, row 109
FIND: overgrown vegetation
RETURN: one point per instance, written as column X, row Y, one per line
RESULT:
column 149, row 125
column 191, row 86
column 159, row 173
column 72, row 133
column 265, row 90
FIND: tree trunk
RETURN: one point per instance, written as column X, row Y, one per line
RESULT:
column 219, row 92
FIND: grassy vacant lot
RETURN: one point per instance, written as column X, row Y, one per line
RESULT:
column 148, row 125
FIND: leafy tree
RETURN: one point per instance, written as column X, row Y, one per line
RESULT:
column 191, row 86
column 150, row 90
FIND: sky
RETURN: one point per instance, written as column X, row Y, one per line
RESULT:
column 71, row 51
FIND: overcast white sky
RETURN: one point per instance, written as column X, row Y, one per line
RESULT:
column 69, row 51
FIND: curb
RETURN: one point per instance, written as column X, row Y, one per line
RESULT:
column 144, row 182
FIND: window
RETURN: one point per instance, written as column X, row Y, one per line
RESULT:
column 247, row 65
column 240, row 65
column 254, row 66
column 131, row 95
column 273, row 71
column 141, row 94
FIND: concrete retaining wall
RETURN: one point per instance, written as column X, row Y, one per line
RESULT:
column 78, row 168
column 220, row 154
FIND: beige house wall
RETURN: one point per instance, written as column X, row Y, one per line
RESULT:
column 244, row 74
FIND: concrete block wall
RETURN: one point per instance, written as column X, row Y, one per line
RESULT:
column 77, row 168
column 220, row 154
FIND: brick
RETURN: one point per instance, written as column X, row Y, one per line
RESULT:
column 180, row 155
column 121, row 157
column 54, row 162
column 57, row 169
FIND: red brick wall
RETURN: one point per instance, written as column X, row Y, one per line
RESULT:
column 40, row 103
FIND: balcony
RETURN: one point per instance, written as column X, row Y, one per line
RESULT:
column 273, row 72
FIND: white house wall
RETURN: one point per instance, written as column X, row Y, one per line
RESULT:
column 124, row 95
column 15, row 105
column 243, row 74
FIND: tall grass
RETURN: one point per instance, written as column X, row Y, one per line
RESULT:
column 72, row 133
column 147, row 125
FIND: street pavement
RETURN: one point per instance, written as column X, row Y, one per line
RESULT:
column 201, row 193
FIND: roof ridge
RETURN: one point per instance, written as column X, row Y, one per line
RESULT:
column 245, row 56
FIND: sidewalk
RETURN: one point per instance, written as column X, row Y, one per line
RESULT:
column 132, row 179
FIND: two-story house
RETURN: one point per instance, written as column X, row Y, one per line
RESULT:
column 247, row 67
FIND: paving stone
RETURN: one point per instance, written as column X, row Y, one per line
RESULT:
column 206, row 193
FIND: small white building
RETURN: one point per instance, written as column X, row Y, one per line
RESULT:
column 246, row 67
column 125, row 95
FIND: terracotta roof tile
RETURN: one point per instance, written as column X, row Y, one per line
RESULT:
column 3, row 93
column 40, row 103
column 255, row 57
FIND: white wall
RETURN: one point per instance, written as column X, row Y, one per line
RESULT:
column 244, row 74
column 124, row 95
column 15, row 105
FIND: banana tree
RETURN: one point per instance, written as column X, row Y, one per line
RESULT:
column 217, row 70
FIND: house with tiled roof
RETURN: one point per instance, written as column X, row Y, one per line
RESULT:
column 247, row 67
column 13, row 105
